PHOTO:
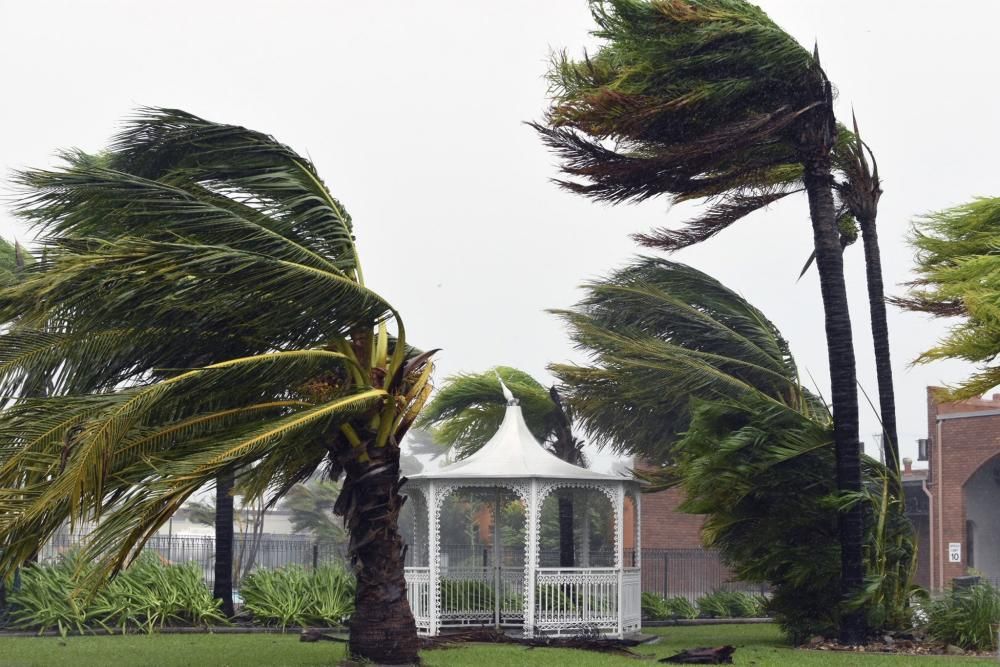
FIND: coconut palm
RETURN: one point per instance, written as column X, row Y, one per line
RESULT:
column 468, row 410
column 956, row 267
column 688, row 99
column 222, row 239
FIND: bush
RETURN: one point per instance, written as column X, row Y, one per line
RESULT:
column 146, row 595
column 732, row 604
column 658, row 608
column 966, row 617
column 293, row 596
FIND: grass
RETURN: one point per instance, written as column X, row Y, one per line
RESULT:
column 759, row 645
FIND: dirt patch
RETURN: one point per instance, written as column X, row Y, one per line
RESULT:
column 901, row 644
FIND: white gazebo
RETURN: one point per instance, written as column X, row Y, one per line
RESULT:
column 515, row 591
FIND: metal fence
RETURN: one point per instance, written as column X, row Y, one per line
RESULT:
column 690, row 573
column 249, row 554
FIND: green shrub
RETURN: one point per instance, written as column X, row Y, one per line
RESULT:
column 731, row 604
column 294, row 596
column 146, row 595
column 966, row 617
column 659, row 608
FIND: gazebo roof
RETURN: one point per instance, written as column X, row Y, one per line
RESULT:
column 513, row 452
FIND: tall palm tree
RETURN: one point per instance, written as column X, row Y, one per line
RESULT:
column 469, row 408
column 857, row 190
column 686, row 99
column 223, row 238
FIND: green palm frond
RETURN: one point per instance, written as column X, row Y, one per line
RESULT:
column 198, row 309
column 957, row 264
column 659, row 334
column 469, row 407
column 680, row 98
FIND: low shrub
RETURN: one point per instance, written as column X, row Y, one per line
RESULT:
column 732, row 604
column 658, row 608
column 966, row 617
column 146, row 595
column 294, row 596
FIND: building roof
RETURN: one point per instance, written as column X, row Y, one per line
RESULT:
column 514, row 453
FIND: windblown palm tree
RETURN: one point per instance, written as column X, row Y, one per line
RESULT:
column 468, row 410
column 689, row 99
column 956, row 267
column 683, row 371
column 857, row 190
column 221, row 239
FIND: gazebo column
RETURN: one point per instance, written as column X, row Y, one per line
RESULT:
column 434, row 556
column 497, row 560
column 620, row 552
column 531, row 558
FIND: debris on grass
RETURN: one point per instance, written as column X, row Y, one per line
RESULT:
column 713, row 655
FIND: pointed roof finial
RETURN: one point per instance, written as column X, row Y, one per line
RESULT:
column 506, row 392
column 816, row 51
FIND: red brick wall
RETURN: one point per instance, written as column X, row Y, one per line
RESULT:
column 959, row 447
column 664, row 527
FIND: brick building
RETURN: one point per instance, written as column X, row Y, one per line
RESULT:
column 958, row 527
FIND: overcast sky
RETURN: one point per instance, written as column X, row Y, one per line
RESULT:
column 413, row 113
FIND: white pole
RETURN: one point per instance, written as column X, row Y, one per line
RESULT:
column 497, row 560
column 531, row 560
column 434, row 559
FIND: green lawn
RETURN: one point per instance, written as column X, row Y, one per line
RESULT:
column 758, row 645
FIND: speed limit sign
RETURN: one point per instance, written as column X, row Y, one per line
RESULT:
column 954, row 552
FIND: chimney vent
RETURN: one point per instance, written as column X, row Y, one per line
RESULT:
column 907, row 465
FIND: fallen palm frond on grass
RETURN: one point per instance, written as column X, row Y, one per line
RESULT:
column 494, row 636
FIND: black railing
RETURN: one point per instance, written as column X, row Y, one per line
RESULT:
column 249, row 554
column 690, row 573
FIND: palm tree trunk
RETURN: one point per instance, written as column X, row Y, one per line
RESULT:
column 568, row 450
column 567, row 557
column 883, row 363
column 382, row 627
column 222, row 589
column 843, row 376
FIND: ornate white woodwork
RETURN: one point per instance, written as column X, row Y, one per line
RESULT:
column 562, row 601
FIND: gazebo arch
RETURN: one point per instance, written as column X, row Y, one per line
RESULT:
column 551, row 600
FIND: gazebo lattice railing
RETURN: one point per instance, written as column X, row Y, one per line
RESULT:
column 541, row 600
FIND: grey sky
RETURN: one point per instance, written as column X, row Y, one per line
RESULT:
column 413, row 114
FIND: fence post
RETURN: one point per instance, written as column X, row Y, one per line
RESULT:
column 315, row 555
column 666, row 586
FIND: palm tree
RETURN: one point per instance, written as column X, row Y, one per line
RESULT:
column 469, row 408
column 311, row 506
column 687, row 99
column 222, row 239
column 686, row 373
column 956, row 258
column 857, row 190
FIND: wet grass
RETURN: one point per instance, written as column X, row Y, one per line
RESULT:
column 758, row 645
